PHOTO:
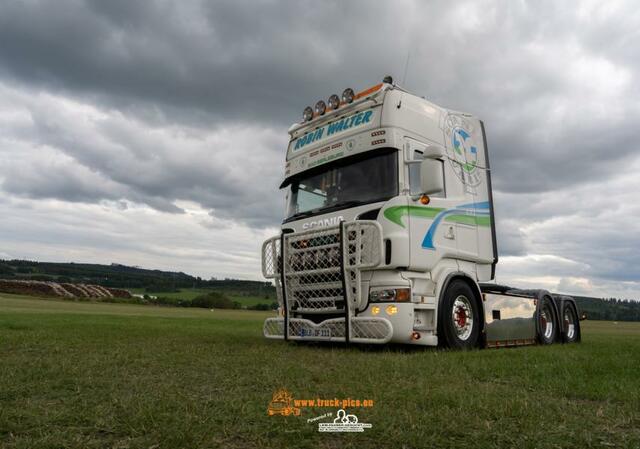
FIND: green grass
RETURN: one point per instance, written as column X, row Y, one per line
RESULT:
column 95, row 375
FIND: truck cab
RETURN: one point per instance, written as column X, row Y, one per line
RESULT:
column 389, row 230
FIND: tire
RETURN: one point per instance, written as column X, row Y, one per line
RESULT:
column 459, row 319
column 570, row 323
column 547, row 322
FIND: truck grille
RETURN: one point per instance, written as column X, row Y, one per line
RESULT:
column 314, row 272
column 318, row 281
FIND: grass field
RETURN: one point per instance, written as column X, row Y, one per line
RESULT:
column 95, row 375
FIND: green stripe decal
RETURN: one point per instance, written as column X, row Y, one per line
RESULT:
column 395, row 213
column 479, row 220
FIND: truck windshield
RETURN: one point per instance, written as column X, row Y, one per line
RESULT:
column 346, row 183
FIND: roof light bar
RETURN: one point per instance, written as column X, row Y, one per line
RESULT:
column 320, row 108
column 307, row 114
column 348, row 95
column 334, row 102
column 369, row 91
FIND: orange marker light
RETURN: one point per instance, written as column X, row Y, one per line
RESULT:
column 424, row 199
column 368, row 91
column 403, row 294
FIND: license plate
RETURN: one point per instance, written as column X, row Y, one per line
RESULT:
column 315, row 333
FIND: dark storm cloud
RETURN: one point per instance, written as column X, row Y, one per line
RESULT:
column 75, row 152
column 252, row 61
column 164, row 102
column 515, row 65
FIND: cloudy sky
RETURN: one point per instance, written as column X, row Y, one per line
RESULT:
column 153, row 133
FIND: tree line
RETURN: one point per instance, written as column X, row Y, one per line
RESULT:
column 122, row 276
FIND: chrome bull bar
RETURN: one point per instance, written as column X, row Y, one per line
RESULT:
column 319, row 272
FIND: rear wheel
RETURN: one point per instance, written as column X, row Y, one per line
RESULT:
column 459, row 323
column 570, row 325
column 547, row 329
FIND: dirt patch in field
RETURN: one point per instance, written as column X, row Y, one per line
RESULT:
column 61, row 290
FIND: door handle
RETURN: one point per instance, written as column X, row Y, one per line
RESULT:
column 450, row 234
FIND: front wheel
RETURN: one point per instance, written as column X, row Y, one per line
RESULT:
column 459, row 323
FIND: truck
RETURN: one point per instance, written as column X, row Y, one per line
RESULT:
column 389, row 233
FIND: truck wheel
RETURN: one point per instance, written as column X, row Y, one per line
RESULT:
column 459, row 323
column 547, row 330
column 571, row 328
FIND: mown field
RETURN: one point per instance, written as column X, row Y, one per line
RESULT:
column 96, row 375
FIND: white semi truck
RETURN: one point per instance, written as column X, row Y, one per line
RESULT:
column 389, row 233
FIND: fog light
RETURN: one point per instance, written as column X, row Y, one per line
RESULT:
column 348, row 95
column 321, row 107
column 375, row 310
column 307, row 114
column 391, row 309
column 334, row 101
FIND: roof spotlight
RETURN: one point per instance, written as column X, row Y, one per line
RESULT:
column 348, row 95
column 321, row 107
column 334, row 101
column 307, row 114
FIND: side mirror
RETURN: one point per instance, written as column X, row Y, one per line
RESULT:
column 431, row 179
column 433, row 152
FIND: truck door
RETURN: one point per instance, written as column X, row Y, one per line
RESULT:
column 432, row 237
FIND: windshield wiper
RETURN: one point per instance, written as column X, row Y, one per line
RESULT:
column 343, row 204
column 327, row 209
column 301, row 215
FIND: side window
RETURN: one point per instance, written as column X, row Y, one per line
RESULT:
column 414, row 173
column 414, row 176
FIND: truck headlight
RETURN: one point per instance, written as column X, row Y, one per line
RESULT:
column 390, row 295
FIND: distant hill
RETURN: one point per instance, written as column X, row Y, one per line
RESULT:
column 121, row 276
column 610, row 309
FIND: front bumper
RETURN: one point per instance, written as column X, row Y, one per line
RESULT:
column 363, row 329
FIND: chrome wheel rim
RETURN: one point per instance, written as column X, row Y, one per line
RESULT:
column 569, row 324
column 546, row 322
column 462, row 317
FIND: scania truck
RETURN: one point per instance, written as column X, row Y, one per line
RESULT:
column 389, row 233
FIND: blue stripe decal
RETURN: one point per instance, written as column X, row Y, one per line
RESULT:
column 467, row 209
